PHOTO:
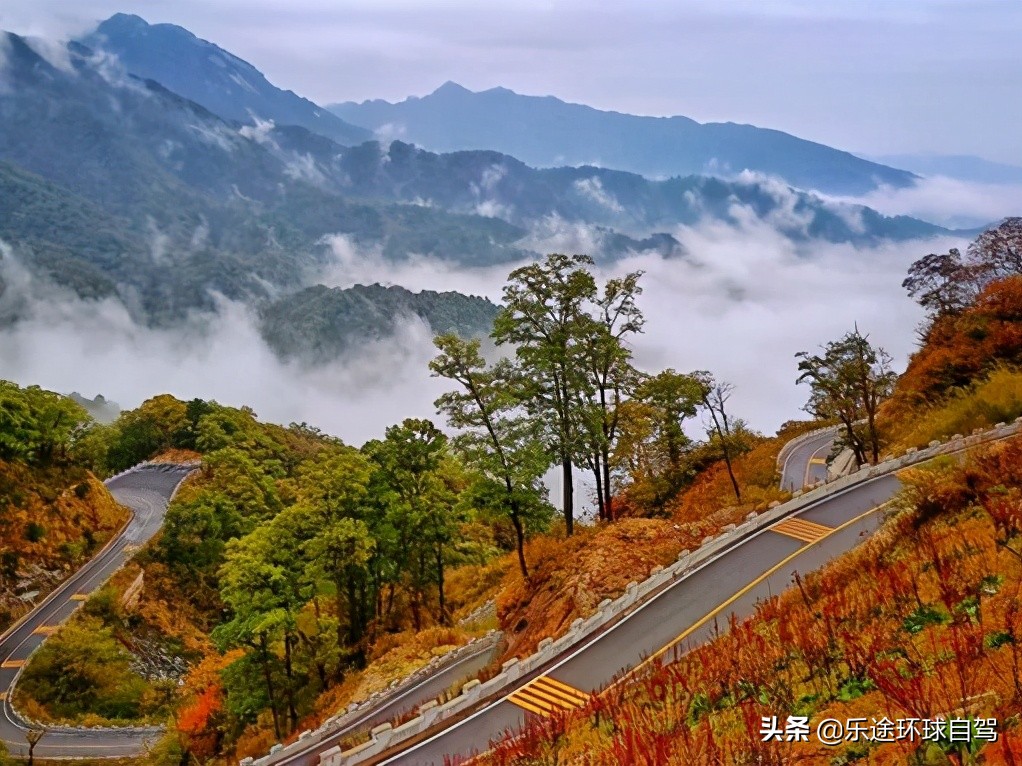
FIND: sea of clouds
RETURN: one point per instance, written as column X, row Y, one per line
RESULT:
column 741, row 304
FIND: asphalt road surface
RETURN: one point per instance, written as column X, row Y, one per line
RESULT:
column 682, row 615
column 807, row 463
column 402, row 702
column 146, row 492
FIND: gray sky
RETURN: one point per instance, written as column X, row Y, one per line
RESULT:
column 872, row 76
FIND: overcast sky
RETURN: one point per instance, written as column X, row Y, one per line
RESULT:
column 871, row 76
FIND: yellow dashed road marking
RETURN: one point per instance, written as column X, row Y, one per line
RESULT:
column 79, row 597
column 818, row 461
column 46, row 630
column 801, row 529
column 717, row 610
column 546, row 695
column 12, row 664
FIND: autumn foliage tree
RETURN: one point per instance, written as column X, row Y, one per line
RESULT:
column 948, row 283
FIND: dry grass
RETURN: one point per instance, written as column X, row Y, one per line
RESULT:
column 569, row 577
column 756, row 471
column 50, row 519
column 910, row 624
column 176, row 456
column 996, row 398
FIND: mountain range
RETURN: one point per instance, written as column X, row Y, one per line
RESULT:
column 547, row 132
column 539, row 131
column 114, row 184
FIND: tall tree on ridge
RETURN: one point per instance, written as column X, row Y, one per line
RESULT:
column 606, row 360
column 544, row 316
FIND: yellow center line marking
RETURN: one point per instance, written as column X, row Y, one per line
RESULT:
column 46, row 630
column 12, row 664
column 79, row 597
column 709, row 616
column 818, row 461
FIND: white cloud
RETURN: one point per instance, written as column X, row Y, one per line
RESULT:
column 592, row 189
column 947, row 201
column 68, row 345
column 302, row 167
column 784, row 215
column 553, row 234
column 748, row 299
column 216, row 136
column 259, row 131
column 53, row 51
column 4, row 49
column 742, row 304
column 486, row 194
column 354, row 264
column 391, row 131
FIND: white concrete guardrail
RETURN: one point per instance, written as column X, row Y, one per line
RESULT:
column 386, row 735
column 358, row 709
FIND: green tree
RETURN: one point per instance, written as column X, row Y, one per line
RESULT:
column 544, row 317
column 236, row 495
column 653, row 446
column 340, row 553
column 16, row 423
column 673, row 397
column 495, row 439
column 340, row 547
column 37, row 426
column 260, row 582
column 141, row 433
column 848, row 381
column 423, row 505
column 58, row 421
column 84, row 669
column 606, row 361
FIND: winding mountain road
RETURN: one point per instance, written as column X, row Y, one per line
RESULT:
column 806, row 463
column 683, row 614
column 146, row 491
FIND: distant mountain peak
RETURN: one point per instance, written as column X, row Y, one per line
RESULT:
column 451, row 88
column 212, row 77
column 125, row 21
column 131, row 25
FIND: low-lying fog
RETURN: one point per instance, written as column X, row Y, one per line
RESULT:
column 741, row 305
